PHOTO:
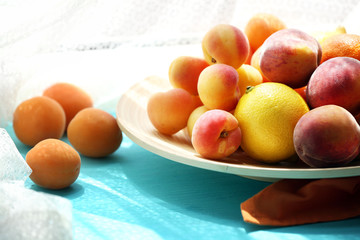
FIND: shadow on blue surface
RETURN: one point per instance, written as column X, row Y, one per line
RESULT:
column 134, row 189
column 197, row 192
column 74, row 191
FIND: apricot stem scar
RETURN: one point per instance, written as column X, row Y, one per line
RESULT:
column 213, row 60
column 249, row 88
column 224, row 134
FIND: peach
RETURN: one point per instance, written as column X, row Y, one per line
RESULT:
column 216, row 134
column 193, row 117
column 226, row 44
column 290, row 56
column 336, row 81
column 169, row 111
column 327, row 136
column 218, row 87
column 38, row 118
column 184, row 73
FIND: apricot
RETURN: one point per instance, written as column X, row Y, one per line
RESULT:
column 193, row 117
column 290, row 56
column 94, row 133
column 255, row 62
column 54, row 163
column 327, row 136
column 336, row 81
column 169, row 111
column 218, row 87
column 260, row 27
column 71, row 98
column 38, row 118
column 184, row 72
column 216, row 134
column 225, row 44
column 248, row 76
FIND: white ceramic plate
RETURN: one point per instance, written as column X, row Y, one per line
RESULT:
column 134, row 122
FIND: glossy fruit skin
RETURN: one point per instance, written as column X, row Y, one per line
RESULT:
column 290, row 56
column 327, row 136
column 216, row 134
column 336, row 81
column 267, row 115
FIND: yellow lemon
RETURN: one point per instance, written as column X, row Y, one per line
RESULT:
column 267, row 115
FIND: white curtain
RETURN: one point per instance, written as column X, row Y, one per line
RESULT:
column 100, row 44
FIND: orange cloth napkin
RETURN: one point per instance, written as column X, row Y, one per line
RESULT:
column 293, row 202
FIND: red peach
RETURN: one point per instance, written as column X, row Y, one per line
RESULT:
column 216, row 134
column 327, row 136
column 290, row 56
column 336, row 81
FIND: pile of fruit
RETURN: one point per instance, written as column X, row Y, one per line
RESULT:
column 270, row 91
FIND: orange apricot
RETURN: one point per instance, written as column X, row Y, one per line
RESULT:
column 71, row 98
column 94, row 133
column 255, row 62
column 38, row 118
column 54, row 163
column 260, row 27
column 169, row 111
column 184, row 73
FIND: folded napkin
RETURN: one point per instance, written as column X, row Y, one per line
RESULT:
column 293, row 202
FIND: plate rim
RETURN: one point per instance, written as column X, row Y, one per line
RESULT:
column 251, row 171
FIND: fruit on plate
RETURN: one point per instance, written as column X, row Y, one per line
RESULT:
column 193, row 117
column 216, row 134
column 267, row 115
column 184, row 73
column 260, row 26
column 341, row 45
column 94, row 133
column 248, row 76
column 267, row 78
column 327, row 136
column 226, row 44
column 321, row 36
column 71, row 98
column 54, row 163
column 218, row 87
column 336, row 81
column 38, row 118
column 255, row 62
column 290, row 56
column 169, row 111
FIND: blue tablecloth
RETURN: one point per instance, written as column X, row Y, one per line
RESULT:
column 135, row 194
